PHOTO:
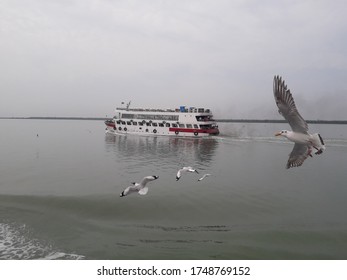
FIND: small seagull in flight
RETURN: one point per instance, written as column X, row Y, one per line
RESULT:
column 304, row 141
column 203, row 177
column 139, row 187
column 185, row 169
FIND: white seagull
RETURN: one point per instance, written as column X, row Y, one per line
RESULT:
column 185, row 169
column 304, row 142
column 203, row 177
column 139, row 187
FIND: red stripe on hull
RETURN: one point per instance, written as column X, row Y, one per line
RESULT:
column 110, row 123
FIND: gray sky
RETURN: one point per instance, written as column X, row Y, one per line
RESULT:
column 84, row 57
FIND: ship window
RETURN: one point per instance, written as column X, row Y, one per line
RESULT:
column 161, row 125
column 134, row 123
column 128, row 123
column 181, row 125
column 123, row 122
column 148, row 124
column 118, row 122
column 189, row 125
column 196, row 126
column 127, row 116
column 167, row 124
column 174, row 125
column 140, row 123
column 154, row 124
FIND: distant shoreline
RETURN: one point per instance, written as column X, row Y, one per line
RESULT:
column 55, row 118
column 217, row 120
column 281, row 121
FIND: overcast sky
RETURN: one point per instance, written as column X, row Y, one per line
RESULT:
column 84, row 57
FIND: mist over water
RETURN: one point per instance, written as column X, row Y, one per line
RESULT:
column 60, row 184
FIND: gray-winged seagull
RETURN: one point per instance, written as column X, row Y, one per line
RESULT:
column 300, row 136
column 139, row 187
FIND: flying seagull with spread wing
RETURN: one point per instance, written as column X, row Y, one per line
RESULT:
column 185, row 169
column 140, row 188
column 304, row 142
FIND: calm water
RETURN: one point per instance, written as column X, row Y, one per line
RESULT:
column 59, row 194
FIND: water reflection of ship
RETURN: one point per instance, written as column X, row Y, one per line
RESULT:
column 191, row 149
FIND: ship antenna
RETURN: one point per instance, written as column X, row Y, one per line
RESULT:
column 128, row 105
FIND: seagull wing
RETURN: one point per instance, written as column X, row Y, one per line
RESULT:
column 145, row 180
column 178, row 175
column 129, row 190
column 298, row 155
column 203, row 177
column 190, row 169
column 142, row 189
column 286, row 106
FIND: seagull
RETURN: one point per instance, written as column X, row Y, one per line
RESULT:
column 139, row 187
column 185, row 169
column 203, row 177
column 304, row 142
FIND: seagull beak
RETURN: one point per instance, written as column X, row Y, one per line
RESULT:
column 278, row 133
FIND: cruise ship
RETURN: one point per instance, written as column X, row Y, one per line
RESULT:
column 182, row 121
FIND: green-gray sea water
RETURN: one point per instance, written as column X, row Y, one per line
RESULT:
column 60, row 182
